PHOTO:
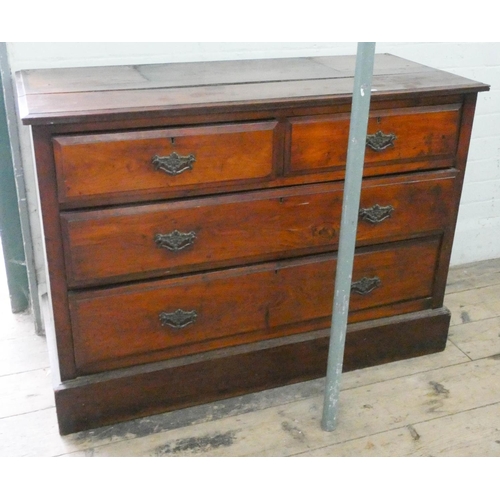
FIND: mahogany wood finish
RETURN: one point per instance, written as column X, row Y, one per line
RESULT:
column 99, row 165
column 191, row 215
column 111, row 328
column 418, row 134
column 108, row 246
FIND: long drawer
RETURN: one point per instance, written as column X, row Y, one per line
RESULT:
column 116, row 245
column 127, row 325
column 424, row 137
column 98, row 167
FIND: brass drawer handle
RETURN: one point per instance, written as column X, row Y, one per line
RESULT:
column 174, row 164
column 376, row 214
column 380, row 141
column 365, row 286
column 178, row 319
column 175, row 241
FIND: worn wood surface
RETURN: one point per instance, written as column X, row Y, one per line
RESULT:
column 113, row 245
column 96, row 158
column 121, row 327
column 112, row 92
column 420, row 133
column 445, row 404
column 107, row 164
column 103, row 399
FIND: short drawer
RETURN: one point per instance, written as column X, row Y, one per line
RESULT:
column 427, row 136
column 113, row 245
column 99, row 168
column 149, row 322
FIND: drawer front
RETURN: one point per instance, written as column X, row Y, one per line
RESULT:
column 140, row 323
column 100, row 167
column 107, row 246
column 426, row 136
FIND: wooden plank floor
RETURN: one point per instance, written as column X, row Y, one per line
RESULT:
column 446, row 404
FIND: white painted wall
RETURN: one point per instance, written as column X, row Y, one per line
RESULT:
column 478, row 231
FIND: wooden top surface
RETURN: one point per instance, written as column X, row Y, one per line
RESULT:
column 69, row 95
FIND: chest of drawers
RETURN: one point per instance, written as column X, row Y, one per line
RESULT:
column 191, row 215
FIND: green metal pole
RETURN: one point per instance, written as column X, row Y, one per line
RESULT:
column 348, row 229
column 10, row 223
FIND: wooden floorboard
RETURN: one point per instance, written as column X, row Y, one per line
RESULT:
column 466, row 434
column 446, row 404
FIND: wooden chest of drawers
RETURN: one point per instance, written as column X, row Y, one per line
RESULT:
column 191, row 216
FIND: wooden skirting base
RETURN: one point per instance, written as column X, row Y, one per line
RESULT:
column 99, row 400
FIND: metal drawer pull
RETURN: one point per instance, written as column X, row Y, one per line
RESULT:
column 376, row 214
column 178, row 319
column 380, row 141
column 173, row 164
column 366, row 286
column 175, row 241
